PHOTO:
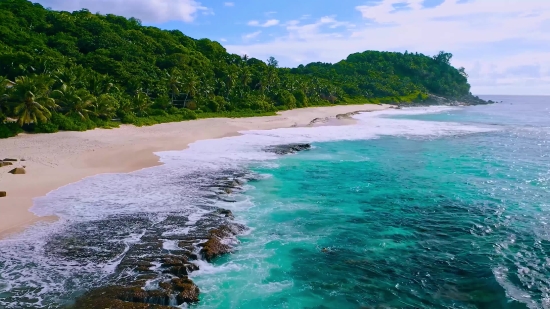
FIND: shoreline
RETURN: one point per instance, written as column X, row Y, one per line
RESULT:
column 55, row 160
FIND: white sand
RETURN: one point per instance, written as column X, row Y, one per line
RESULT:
column 55, row 160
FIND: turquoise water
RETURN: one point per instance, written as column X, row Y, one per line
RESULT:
column 458, row 221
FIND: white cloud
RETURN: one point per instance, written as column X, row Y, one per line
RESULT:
column 223, row 40
column 156, row 11
column 252, row 35
column 229, row 4
column 469, row 30
column 268, row 23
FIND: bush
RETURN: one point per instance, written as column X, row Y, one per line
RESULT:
column 286, row 99
column 9, row 129
column 65, row 123
column 127, row 118
column 106, row 124
column 301, row 98
column 47, row 127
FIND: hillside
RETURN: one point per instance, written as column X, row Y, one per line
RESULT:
column 79, row 70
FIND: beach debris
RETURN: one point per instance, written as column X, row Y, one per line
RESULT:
column 18, row 171
column 3, row 194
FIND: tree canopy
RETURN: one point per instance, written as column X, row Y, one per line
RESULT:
column 80, row 70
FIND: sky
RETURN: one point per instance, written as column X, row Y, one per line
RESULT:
column 503, row 44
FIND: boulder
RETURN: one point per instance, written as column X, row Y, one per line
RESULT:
column 18, row 171
column 3, row 194
column 226, row 213
column 6, row 163
column 215, row 245
column 189, row 292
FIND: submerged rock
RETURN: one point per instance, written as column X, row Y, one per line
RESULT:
column 287, row 149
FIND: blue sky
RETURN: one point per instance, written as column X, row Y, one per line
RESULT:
column 503, row 44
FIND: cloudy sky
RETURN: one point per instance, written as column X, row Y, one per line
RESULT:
column 503, row 44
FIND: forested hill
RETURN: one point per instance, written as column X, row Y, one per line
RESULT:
column 79, row 70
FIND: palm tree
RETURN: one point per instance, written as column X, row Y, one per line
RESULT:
column 99, row 84
column 190, row 86
column 3, row 98
column 105, row 106
column 32, row 103
column 73, row 101
column 174, row 83
column 141, row 103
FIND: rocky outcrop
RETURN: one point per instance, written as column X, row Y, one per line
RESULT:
column 433, row 99
column 5, row 163
column 288, row 149
column 126, row 298
column 156, row 268
column 18, row 171
column 216, row 244
column 226, row 213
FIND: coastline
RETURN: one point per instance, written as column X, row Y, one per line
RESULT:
column 58, row 159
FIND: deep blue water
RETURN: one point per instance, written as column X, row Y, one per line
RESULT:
column 455, row 221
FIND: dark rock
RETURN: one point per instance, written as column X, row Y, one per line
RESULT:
column 173, row 262
column 10, row 160
column 287, row 149
column 213, row 248
column 3, row 194
column 178, row 271
column 215, row 245
column 124, row 298
column 226, row 212
column 18, row 171
column 142, row 268
column 189, row 292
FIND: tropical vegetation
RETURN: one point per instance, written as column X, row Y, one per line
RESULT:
column 80, row 70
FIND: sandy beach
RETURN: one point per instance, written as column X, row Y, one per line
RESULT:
column 54, row 160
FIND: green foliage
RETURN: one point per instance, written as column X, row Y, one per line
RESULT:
column 46, row 127
column 78, row 71
column 9, row 129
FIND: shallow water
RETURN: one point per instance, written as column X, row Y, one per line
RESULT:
column 417, row 208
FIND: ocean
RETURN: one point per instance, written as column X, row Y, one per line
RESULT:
column 425, row 207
